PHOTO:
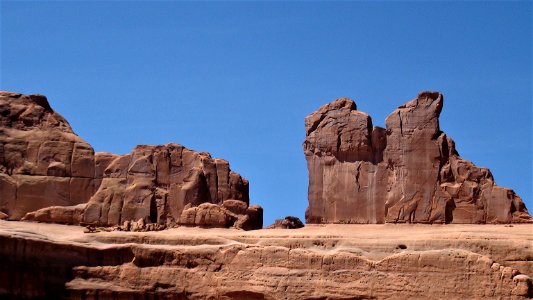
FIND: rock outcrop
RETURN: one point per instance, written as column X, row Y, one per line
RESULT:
column 158, row 182
column 289, row 222
column 405, row 261
column 49, row 174
column 208, row 215
column 42, row 162
column 408, row 172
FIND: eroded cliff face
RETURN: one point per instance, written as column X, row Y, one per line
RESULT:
column 42, row 162
column 408, row 172
column 49, row 174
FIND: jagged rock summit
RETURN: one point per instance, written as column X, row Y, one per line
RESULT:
column 49, row 174
column 408, row 172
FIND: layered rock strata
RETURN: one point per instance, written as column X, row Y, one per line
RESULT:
column 49, row 174
column 407, row 261
column 409, row 171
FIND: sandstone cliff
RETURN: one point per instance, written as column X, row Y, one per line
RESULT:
column 408, row 172
column 49, row 174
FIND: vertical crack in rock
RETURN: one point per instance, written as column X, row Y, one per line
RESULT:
column 357, row 173
column 401, row 123
column 411, row 157
column 338, row 147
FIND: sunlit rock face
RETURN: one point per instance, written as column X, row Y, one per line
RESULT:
column 42, row 161
column 49, row 174
column 408, row 172
column 404, row 261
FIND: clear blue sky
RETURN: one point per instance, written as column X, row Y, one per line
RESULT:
column 237, row 79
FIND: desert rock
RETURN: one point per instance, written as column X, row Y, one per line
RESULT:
column 42, row 162
column 49, row 174
column 157, row 182
column 289, row 222
column 400, row 261
column 408, row 172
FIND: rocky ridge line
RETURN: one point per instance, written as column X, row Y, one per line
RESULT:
column 49, row 174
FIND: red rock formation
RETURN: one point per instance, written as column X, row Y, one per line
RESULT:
column 289, row 222
column 407, row 261
column 157, row 182
column 409, row 172
column 42, row 162
column 49, row 174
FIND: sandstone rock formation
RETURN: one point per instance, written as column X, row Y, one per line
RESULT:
column 289, row 222
column 405, row 261
column 211, row 215
column 49, row 174
column 408, row 172
column 42, row 162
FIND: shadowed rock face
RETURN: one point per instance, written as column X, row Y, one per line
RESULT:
column 408, row 172
column 49, row 174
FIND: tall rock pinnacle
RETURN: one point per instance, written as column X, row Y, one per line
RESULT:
column 408, row 172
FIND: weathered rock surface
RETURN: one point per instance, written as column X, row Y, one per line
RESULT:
column 49, row 174
column 408, row 172
column 158, row 182
column 42, row 162
column 289, row 222
column 209, row 215
column 400, row 261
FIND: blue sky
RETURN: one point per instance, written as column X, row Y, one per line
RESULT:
column 237, row 79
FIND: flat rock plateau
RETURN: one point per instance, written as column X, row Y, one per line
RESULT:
column 381, row 261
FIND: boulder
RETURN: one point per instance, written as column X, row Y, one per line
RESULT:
column 409, row 171
column 289, row 222
column 232, row 213
column 251, row 219
column 57, row 214
column 206, row 215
